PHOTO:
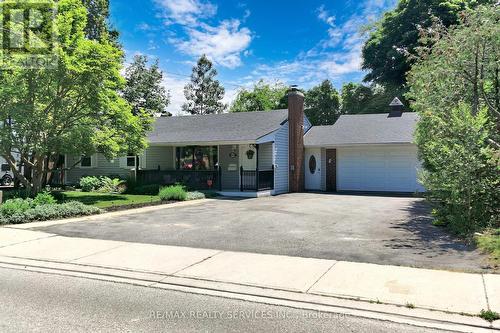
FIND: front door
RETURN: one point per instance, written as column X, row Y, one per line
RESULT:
column 313, row 169
column 230, row 167
column 331, row 170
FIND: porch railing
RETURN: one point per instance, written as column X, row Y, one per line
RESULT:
column 196, row 179
column 256, row 180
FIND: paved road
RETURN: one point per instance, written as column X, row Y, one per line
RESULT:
column 380, row 230
column 50, row 303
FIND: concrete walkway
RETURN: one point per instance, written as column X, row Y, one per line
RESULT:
column 460, row 293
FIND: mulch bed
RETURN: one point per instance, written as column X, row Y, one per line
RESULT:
column 134, row 206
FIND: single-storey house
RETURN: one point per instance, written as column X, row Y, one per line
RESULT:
column 269, row 153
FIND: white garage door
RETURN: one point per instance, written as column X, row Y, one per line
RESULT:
column 387, row 168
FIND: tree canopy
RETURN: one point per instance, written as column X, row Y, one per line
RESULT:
column 204, row 93
column 97, row 20
column 385, row 54
column 144, row 89
column 362, row 99
column 455, row 88
column 74, row 108
column 262, row 97
column 322, row 104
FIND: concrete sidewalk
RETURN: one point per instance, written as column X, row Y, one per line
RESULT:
column 460, row 293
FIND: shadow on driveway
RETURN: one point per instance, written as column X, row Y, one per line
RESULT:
column 424, row 238
column 373, row 229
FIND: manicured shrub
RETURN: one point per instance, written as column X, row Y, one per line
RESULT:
column 15, row 194
column 89, row 184
column 15, row 206
column 176, row 193
column 50, row 212
column 44, row 198
column 109, row 185
column 103, row 184
column 152, row 189
column 58, row 195
column 195, row 195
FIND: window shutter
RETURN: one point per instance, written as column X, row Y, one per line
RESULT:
column 142, row 160
column 95, row 159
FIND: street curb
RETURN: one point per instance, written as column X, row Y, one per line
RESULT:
column 384, row 312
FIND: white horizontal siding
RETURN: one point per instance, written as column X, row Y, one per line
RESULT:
column 152, row 158
column 100, row 167
column 245, row 162
column 266, row 156
column 159, row 157
column 281, row 160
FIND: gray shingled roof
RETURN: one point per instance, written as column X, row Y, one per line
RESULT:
column 364, row 129
column 227, row 127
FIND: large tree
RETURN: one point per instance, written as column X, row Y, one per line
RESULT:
column 97, row 20
column 73, row 108
column 455, row 88
column 354, row 97
column 322, row 104
column 362, row 99
column 262, row 97
column 204, row 93
column 396, row 35
column 144, row 89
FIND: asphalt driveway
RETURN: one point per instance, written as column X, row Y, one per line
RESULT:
column 373, row 229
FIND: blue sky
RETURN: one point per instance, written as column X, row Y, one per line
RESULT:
column 295, row 42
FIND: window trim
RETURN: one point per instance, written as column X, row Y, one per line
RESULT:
column 214, row 150
column 92, row 164
column 126, row 161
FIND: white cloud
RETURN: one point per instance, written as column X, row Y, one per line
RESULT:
column 325, row 16
column 175, row 85
column 186, row 11
column 335, row 57
column 223, row 44
column 230, row 95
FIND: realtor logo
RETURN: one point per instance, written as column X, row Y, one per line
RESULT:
column 27, row 34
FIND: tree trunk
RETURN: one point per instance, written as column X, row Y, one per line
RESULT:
column 19, row 174
column 38, row 175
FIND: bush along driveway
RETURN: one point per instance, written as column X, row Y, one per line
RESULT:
column 44, row 207
column 59, row 205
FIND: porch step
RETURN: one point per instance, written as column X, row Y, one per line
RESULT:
column 239, row 194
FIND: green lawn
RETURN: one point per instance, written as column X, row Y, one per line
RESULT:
column 105, row 200
column 490, row 243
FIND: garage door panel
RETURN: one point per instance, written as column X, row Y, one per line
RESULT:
column 378, row 169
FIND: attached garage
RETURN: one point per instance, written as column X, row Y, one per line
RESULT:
column 367, row 153
column 381, row 169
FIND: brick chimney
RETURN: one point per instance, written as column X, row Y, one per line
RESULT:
column 397, row 108
column 296, row 140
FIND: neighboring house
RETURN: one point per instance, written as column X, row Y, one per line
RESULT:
column 262, row 153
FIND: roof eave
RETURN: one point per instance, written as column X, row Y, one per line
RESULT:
column 334, row 145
